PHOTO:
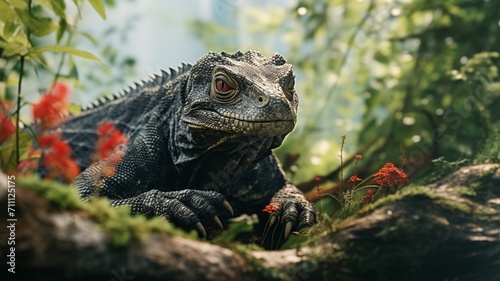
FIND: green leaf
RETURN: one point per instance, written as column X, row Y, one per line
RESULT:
column 6, row 13
column 74, row 109
column 46, row 27
column 56, row 6
column 14, row 48
column 67, row 50
column 246, row 224
column 98, row 6
column 19, row 4
column 7, row 149
column 63, row 26
column 38, row 27
column 89, row 37
column 10, row 29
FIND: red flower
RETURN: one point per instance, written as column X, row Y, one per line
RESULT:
column 317, row 179
column 7, row 128
column 53, row 106
column 354, row 179
column 57, row 158
column 30, row 164
column 390, row 175
column 358, row 156
column 109, row 139
column 343, row 136
column 368, row 195
column 271, row 207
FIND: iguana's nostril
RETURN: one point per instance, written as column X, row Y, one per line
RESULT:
column 259, row 98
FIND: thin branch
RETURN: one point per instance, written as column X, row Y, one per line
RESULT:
column 18, row 110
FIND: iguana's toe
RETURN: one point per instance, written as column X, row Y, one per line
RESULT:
column 288, row 229
column 218, row 222
column 291, row 211
column 228, row 207
column 199, row 209
column 201, row 230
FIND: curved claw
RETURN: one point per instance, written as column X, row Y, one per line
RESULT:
column 228, row 207
column 288, row 229
column 201, row 229
column 218, row 222
column 272, row 220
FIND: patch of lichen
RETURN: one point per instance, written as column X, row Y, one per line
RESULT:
column 117, row 221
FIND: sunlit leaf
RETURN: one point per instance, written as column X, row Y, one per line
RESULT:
column 98, row 6
column 14, row 48
column 67, row 50
column 18, row 4
column 46, row 27
column 56, row 6
column 7, row 14
column 74, row 109
column 10, row 29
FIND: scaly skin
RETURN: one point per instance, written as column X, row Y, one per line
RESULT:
column 200, row 144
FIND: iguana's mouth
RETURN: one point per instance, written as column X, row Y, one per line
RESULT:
column 214, row 120
column 200, row 124
column 226, row 118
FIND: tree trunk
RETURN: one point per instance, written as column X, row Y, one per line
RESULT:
column 448, row 230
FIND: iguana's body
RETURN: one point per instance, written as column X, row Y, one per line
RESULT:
column 197, row 137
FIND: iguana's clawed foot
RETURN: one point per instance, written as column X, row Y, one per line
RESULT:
column 291, row 211
column 193, row 209
column 188, row 208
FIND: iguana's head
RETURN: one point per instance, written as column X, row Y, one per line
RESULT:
column 241, row 94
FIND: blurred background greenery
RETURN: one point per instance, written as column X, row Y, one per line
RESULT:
column 406, row 81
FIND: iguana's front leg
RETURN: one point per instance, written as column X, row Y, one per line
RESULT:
column 265, row 184
column 291, row 209
column 120, row 178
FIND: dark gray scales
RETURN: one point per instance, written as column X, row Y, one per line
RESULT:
column 200, row 143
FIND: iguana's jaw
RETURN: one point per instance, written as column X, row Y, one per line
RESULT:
column 211, row 120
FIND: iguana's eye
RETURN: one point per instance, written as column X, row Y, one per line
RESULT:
column 221, row 85
column 224, row 89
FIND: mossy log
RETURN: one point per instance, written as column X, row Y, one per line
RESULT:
column 448, row 230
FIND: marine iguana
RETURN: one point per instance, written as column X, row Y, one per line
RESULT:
column 200, row 144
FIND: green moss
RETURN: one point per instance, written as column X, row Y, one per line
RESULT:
column 405, row 192
column 451, row 204
column 61, row 195
column 441, row 168
column 122, row 226
column 490, row 152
